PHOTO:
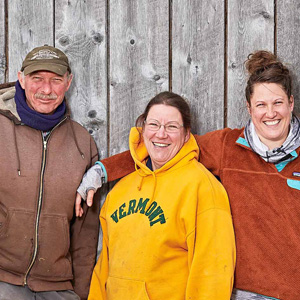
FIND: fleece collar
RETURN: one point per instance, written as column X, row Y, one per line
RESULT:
column 8, row 104
column 279, row 154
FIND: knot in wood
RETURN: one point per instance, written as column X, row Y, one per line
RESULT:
column 189, row 59
column 156, row 77
column 64, row 40
column 98, row 38
column 265, row 14
column 92, row 114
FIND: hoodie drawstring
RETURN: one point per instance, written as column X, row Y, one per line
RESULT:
column 17, row 151
column 142, row 174
column 75, row 139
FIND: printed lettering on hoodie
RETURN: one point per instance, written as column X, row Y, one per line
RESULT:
column 154, row 213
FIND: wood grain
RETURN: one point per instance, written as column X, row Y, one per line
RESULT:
column 30, row 24
column 80, row 28
column 2, row 42
column 139, row 62
column 250, row 28
column 288, row 42
column 198, row 60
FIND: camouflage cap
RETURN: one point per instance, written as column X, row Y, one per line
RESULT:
column 46, row 58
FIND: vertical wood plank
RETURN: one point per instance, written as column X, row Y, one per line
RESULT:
column 198, row 60
column 80, row 32
column 288, row 42
column 139, row 62
column 30, row 24
column 2, row 42
column 250, row 28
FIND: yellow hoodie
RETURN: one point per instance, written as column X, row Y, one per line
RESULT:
column 167, row 234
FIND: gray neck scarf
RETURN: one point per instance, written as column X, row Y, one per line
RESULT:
column 279, row 154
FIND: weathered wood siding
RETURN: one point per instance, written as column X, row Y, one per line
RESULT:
column 2, row 42
column 250, row 27
column 139, row 62
column 123, row 52
column 80, row 31
column 30, row 24
column 198, row 51
column 288, row 41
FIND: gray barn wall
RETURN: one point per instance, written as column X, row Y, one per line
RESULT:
column 123, row 52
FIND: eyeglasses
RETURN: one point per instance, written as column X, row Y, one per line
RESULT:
column 170, row 127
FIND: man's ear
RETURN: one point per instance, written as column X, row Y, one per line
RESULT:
column 70, row 78
column 21, row 78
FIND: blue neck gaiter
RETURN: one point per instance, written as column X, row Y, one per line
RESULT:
column 33, row 118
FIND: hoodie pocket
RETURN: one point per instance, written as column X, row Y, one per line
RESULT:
column 126, row 289
column 53, row 261
column 3, row 217
column 16, row 239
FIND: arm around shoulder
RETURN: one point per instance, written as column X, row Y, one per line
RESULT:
column 211, row 147
column 118, row 166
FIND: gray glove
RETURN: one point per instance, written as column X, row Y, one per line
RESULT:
column 92, row 180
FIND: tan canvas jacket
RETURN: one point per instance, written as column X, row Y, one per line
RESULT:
column 41, row 243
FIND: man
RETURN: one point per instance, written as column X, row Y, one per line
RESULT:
column 45, row 253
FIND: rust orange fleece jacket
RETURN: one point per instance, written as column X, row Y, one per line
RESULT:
column 265, row 206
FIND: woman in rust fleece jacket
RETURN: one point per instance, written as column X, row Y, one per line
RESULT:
column 259, row 166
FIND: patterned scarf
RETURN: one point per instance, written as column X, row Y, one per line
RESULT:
column 33, row 118
column 279, row 154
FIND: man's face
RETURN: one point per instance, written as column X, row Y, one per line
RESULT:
column 44, row 90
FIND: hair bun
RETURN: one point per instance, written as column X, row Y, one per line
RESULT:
column 261, row 60
column 264, row 67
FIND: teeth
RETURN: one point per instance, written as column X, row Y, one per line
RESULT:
column 160, row 145
column 272, row 122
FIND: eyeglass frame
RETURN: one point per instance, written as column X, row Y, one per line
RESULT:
column 164, row 125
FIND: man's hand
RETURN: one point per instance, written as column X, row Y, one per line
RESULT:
column 91, row 181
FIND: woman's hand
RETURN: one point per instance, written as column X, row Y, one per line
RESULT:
column 89, row 202
column 91, row 181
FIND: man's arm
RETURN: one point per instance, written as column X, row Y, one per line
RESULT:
column 84, row 240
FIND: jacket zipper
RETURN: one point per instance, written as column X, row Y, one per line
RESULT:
column 39, row 206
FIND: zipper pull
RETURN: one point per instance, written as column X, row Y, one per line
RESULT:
column 45, row 145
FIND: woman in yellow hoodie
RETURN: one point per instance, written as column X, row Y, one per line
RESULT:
column 167, row 227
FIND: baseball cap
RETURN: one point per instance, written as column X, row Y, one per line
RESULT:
column 46, row 58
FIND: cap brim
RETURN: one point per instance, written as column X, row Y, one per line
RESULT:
column 55, row 68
